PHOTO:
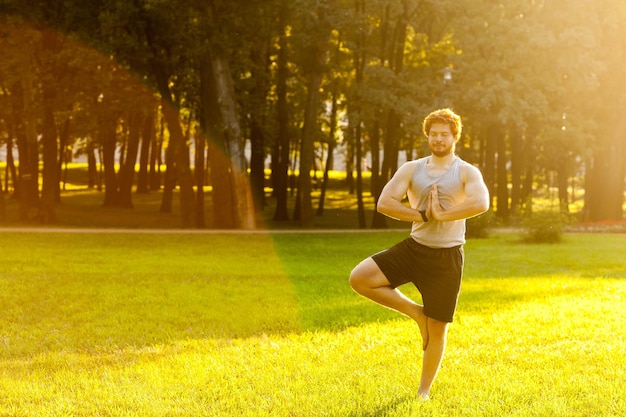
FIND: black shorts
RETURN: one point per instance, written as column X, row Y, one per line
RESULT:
column 436, row 272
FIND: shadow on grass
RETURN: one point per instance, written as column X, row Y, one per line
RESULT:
column 396, row 406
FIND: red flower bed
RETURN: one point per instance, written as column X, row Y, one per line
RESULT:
column 617, row 226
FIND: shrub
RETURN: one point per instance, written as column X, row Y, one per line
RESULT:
column 478, row 227
column 544, row 227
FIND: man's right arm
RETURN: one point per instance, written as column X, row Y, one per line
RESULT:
column 390, row 201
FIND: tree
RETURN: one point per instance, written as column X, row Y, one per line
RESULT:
column 408, row 44
column 217, row 60
column 537, row 83
column 50, row 141
column 356, row 119
column 533, row 72
column 18, row 72
column 280, row 151
column 127, row 168
column 340, row 72
column 243, row 206
column 257, row 104
column 315, row 33
column 606, row 169
column 146, row 154
column 2, row 204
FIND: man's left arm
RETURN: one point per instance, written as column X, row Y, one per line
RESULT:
column 476, row 198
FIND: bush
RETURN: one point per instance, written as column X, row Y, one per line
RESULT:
column 478, row 227
column 544, row 227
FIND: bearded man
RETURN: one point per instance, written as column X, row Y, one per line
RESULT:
column 443, row 191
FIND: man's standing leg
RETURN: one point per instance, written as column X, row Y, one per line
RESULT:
column 368, row 280
column 437, row 334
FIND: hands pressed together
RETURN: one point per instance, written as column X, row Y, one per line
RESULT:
column 434, row 210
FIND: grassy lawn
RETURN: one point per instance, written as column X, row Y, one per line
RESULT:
column 266, row 325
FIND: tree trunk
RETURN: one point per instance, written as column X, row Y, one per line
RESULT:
column 258, row 93
column 180, row 150
column 223, row 212
column 147, row 142
column 517, row 150
column 328, row 166
column 529, row 168
column 3, row 212
column 50, row 183
column 390, row 163
column 64, row 157
column 127, row 171
column 11, row 170
column 375, row 187
column 181, row 159
column 604, row 190
column 242, row 195
column 169, row 181
column 156, row 160
column 562, row 183
column 108, row 141
column 489, row 173
column 199, row 177
column 280, row 156
column 314, row 74
column 309, row 129
column 501, row 176
column 394, row 53
column 359, row 65
column 92, row 168
column 392, row 145
column 27, row 148
column 257, row 163
column 359, row 176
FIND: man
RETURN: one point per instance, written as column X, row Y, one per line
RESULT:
column 442, row 192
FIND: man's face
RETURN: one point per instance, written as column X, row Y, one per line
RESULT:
column 440, row 139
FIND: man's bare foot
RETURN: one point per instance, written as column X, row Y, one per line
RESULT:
column 422, row 322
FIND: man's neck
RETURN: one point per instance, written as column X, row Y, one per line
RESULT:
column 442, row 160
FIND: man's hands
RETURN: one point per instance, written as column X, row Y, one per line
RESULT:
column 434, row 210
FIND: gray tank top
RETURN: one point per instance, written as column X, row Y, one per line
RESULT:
column 436, row 234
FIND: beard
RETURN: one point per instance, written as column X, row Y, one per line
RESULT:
column 441, row 151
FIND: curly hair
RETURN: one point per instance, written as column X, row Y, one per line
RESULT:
column 445, row 116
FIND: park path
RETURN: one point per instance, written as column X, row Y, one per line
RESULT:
column 186, row 231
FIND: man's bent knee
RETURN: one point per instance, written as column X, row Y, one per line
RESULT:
column 356, row 279
column 367, row 275
column 361, row 275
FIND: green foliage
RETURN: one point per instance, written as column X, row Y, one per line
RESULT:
column 547, row 73
column 544, row 227
column 478, row 227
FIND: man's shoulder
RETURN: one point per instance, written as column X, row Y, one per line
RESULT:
column 416, row 162
column 410, row 164
column 470, row 171
column 466, row 165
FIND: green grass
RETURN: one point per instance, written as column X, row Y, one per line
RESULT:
column 265, row 325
